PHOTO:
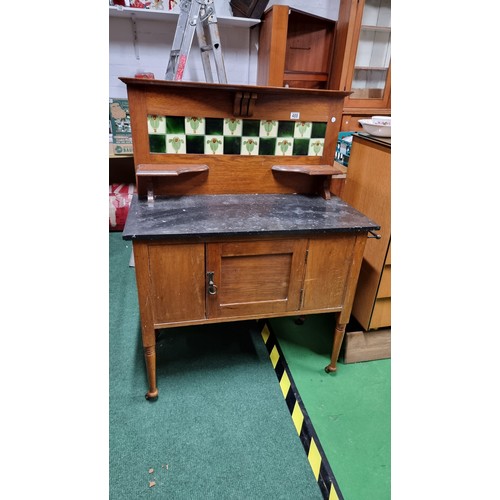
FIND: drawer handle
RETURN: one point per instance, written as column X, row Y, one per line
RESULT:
column 212, row 287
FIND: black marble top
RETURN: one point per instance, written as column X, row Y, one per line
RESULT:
column 201, row 216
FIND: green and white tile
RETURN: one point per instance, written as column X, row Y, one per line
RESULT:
column 195, row 144
column 214, row 144
column 233, row 127
column 176, row 144
column 175, row 124
column 302, row 130
column 318, row 130
column 157, row 143
column 286, row 129
column 157, row 124
column 268, row 128
column 316, row 147
column 195, row 125
column 234, row 136
column 284, row 146
column 250, row 146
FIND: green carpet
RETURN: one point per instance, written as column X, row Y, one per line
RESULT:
column 220, row 428
column 350, row 410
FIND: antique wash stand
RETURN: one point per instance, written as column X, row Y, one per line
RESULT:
column 234, row 219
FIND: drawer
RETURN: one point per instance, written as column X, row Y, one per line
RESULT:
column 384, row 289
column 388, row 257
column 381, row 315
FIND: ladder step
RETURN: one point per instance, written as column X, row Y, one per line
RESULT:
column 199, row 15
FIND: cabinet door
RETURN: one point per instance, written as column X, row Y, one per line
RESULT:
column 255, row 277
column 177, row 282
column 328, row 265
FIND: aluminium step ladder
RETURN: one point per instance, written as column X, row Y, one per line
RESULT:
column 196, row 15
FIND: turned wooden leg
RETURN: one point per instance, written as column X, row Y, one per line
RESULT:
column 337, row 344
column 150, row 356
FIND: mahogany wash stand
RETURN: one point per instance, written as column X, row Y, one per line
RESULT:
column 234, row 218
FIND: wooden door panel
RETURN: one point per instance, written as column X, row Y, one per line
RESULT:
column 177, row 274
column 255, row 277
column 328, row 265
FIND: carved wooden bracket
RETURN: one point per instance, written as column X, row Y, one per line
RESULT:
column 244, row 103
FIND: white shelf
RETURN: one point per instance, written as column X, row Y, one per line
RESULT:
column 376, row 28
column 162, row 15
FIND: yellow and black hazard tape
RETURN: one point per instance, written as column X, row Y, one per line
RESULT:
column 315, row 454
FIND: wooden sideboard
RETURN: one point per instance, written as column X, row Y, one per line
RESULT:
column 233, row 219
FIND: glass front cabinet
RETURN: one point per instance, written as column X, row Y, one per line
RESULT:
column 362, row 57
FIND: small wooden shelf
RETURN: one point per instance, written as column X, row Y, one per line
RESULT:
column 309, row 169
column 146, row 172
column 168, row 170
column 326, row 171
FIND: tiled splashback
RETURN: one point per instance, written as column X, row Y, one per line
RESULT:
column 234, row 136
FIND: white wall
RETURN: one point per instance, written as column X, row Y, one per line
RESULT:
column 152, row 50
column 154, row 40
column 323, row 8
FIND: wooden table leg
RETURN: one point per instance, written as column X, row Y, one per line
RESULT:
column 141, row 260
column 338, row 337
column 150, row 356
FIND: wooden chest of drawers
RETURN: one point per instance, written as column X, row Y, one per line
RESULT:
column 368, row 189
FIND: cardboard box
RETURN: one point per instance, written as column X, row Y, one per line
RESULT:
column 119, row 125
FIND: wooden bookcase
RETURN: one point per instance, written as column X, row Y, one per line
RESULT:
column 295, row 49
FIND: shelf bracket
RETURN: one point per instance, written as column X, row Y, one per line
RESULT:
column 325, row 193
column 150, row 191
column 134, row 35
column 244, row 103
